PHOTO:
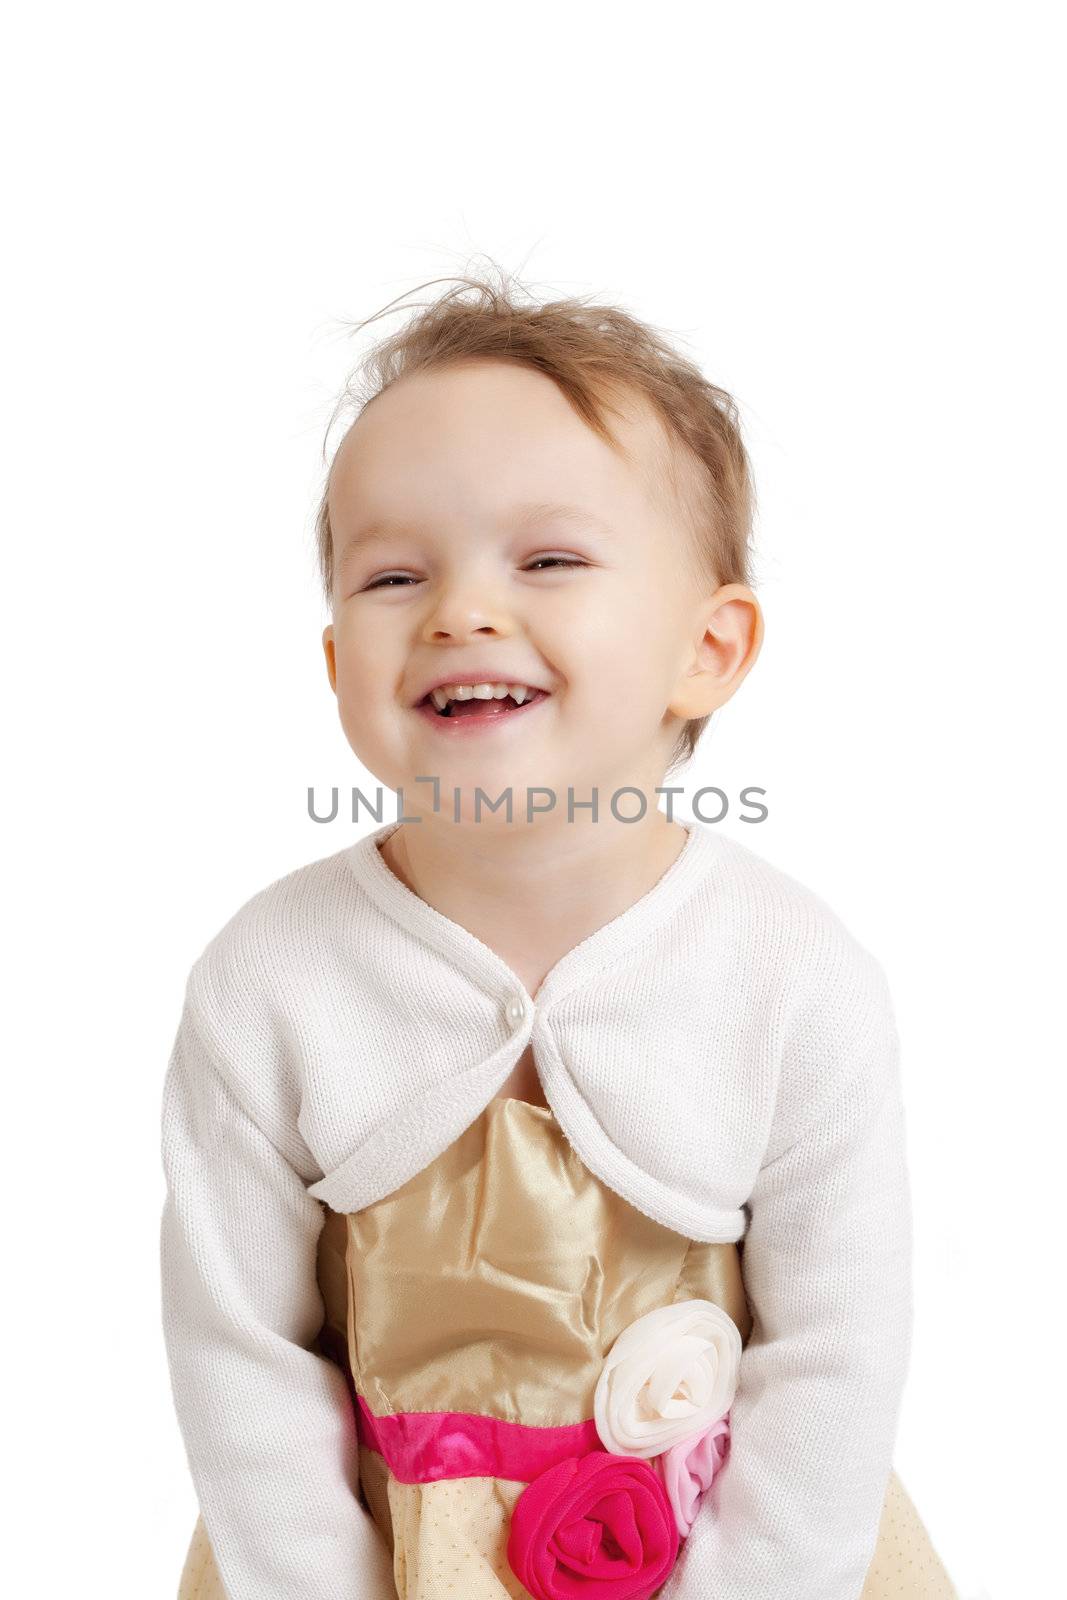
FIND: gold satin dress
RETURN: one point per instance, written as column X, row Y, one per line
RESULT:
column 492, row 1285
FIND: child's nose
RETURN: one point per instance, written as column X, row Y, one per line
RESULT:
column 467, row 604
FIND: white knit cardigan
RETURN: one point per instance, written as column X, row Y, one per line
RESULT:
column 722, row 1054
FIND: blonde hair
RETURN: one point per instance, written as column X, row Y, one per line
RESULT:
column 702, row 477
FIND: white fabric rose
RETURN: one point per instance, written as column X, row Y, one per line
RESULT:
column 668, row 1377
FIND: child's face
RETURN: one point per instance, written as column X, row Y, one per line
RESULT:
column 462, row 586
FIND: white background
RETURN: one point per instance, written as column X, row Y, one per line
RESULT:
column 850, row 217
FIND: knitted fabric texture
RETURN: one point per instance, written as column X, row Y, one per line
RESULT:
column 722, row 1054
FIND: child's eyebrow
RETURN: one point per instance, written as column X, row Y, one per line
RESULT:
column 556, row 511
column 526, row 515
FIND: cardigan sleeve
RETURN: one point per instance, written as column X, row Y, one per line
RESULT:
column 267, row 1423
column 826, row 1264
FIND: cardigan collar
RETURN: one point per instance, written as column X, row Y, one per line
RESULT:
column 482, row 964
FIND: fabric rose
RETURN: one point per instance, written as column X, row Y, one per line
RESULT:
column 596, row 1525
column 667, row 1378
column 689, row 1469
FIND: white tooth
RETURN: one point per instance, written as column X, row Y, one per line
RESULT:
column 480, row 691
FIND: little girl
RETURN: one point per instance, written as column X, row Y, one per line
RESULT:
column 537, row 1218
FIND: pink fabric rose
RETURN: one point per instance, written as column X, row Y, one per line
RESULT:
column 597, row 1525
column 690, row 1468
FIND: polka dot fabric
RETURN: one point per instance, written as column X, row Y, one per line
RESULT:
column 452, row 1537
column 906, row 1565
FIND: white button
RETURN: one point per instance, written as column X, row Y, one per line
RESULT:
column 515, row 1010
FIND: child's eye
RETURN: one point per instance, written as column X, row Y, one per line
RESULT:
column 389, row 578
column 393, row 580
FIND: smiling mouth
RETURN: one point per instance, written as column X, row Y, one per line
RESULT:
column 477, row 709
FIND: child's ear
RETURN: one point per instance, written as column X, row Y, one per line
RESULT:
column 728, row 640
column 331, row 659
